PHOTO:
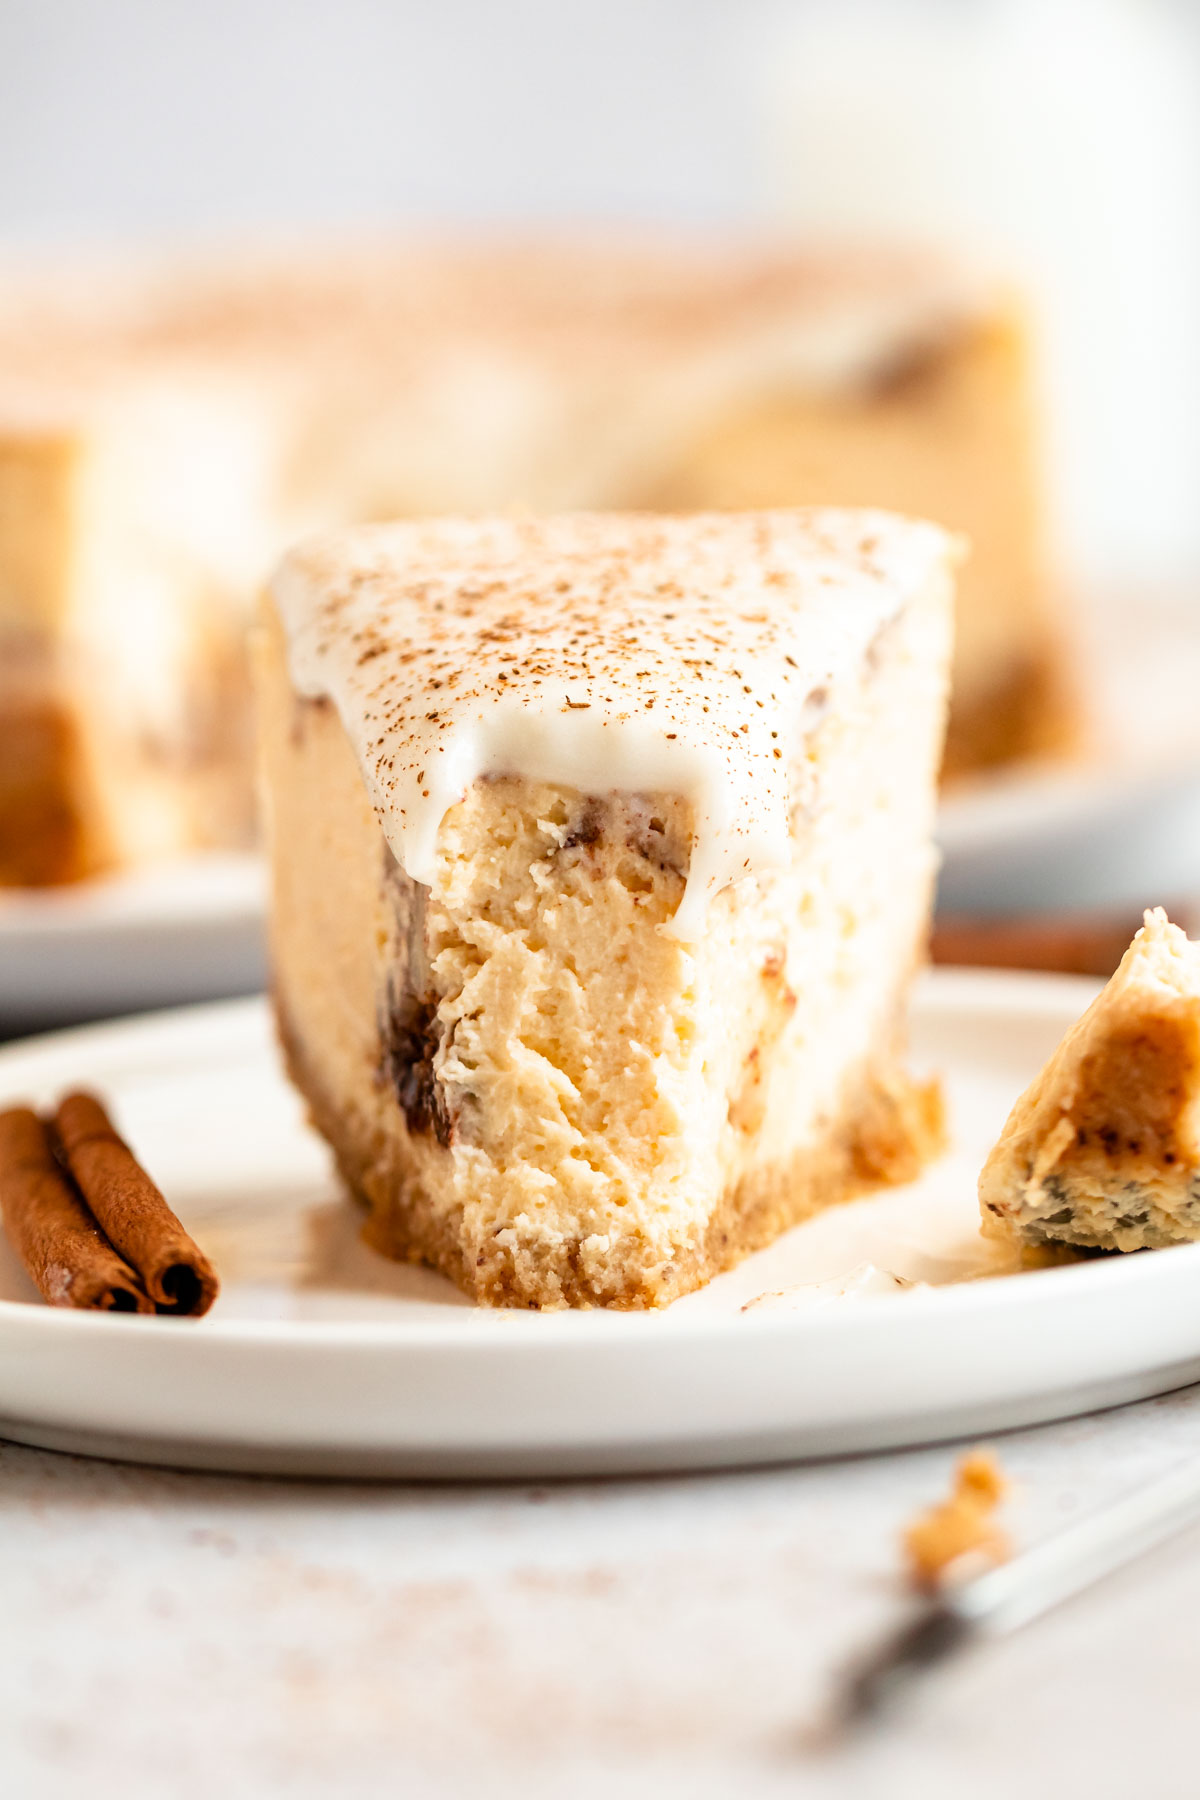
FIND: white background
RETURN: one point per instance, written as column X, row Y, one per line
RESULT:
column 1058, row 138
column 172, row 115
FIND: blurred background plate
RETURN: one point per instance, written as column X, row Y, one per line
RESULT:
column 184, row 931
column 1071, row 840
column 1117, row 827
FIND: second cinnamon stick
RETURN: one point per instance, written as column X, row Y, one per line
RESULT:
column 178, row 1276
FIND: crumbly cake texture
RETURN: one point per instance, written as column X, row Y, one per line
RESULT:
column 1103, row 1149
column 591, row 1040
column 166, row 430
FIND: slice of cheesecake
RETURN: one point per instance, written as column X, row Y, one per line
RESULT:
column 1103, row 1149
column 601, row 864
column 165, row 431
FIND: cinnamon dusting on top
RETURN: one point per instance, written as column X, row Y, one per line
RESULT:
column 603, row 651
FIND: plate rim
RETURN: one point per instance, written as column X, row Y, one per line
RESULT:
column 988, row 1293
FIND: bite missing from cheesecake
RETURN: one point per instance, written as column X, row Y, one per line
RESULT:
column 1102, row 1151
column 602, row 860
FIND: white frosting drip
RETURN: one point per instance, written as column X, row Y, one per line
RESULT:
column 600, row 652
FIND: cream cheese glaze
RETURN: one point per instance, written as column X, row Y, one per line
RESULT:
column 599, row 651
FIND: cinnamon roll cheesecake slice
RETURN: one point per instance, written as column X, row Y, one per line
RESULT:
column 602, row 863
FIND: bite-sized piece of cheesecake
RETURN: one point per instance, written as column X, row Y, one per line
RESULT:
column 601, row 865
column 1103, row 1149
column 166, row 429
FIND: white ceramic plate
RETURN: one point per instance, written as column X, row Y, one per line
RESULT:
column 189, row 930
column 323, row 1358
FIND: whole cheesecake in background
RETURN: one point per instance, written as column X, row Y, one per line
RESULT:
column 166, row 431
column 601, row 864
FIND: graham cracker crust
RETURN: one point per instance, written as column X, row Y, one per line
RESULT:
column 887, row 1129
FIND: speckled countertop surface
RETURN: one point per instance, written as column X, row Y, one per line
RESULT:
column 184, row 1635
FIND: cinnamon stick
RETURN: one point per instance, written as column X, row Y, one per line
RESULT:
column 174, row 1270
column 70, row 1260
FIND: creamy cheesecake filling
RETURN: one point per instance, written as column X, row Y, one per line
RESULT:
column 688, row 657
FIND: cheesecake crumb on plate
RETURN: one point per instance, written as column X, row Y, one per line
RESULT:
column 1102, row 1151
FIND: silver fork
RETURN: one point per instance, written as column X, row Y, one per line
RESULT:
column 1003, row 1599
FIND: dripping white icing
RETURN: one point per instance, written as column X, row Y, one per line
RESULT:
column 598, row 651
